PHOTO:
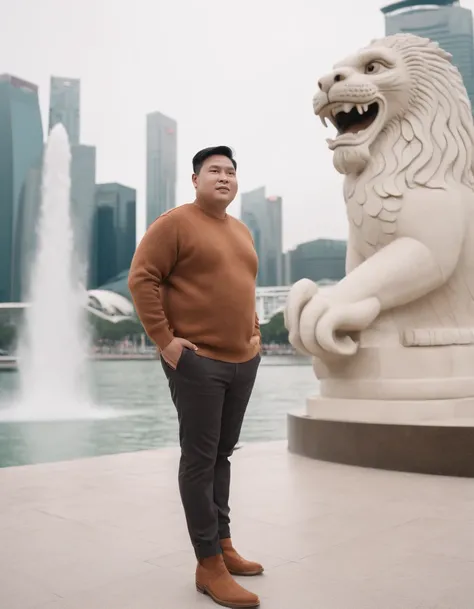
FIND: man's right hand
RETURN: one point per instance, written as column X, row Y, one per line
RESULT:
column 172, row 353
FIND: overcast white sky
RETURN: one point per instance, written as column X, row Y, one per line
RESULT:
column 236, row 72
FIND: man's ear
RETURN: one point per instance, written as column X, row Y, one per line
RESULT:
column 195, row 179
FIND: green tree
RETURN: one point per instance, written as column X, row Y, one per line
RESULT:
column 274, row 331
column 8, row 334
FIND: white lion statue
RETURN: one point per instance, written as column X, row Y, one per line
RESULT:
column 401, row 323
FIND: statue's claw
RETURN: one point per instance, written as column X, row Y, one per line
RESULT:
column 345, row 318
column 318, row 325
column 310, row 317
column 300, row 294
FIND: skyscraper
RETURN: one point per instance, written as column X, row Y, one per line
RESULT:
column 114, row 231
column 64, row 106
column 161, row 159
column 29, row 233
column 21, row 147
column 443, row 21
column 263, row 216
column 83, row 170
column 322, row 259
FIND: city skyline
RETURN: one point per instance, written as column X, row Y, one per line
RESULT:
column 104, row 215
column 255, row 98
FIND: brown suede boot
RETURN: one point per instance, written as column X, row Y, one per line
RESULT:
column 237, row 565
column 213, row 579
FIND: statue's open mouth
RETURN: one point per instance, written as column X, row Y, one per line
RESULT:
column 360, row 117
column 356, row 123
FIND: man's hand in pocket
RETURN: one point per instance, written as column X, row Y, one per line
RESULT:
column 172, row 353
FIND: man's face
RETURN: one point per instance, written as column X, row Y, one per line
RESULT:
column 217, row 181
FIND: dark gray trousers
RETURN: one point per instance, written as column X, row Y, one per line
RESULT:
column 211, row 398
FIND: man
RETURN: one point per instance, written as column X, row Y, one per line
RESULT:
column 192, row 280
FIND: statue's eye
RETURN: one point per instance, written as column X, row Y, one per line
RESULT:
column 373, row 67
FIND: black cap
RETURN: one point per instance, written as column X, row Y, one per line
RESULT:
column 202, row 155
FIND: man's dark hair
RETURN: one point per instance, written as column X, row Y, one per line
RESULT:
column 201, row 156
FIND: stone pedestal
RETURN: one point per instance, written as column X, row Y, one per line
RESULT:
column 429, row 437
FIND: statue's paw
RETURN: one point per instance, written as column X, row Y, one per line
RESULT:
column 300, row 294
column 331, row 330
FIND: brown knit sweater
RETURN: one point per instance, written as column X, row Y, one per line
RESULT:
column 193, row 276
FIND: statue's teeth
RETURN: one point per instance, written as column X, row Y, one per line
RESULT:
column 323, row 120
column 347, row 108
column 366, row 107
column 360, row 109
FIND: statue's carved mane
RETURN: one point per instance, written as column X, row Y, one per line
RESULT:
column 431, row 144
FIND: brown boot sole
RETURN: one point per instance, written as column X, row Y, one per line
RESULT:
column 204, row 590
column 246, row 573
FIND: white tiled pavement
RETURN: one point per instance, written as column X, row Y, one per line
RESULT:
column 109, row 533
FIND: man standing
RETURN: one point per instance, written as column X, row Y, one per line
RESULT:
column 192, row 280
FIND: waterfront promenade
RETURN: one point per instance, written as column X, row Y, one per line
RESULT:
column 108, row 533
